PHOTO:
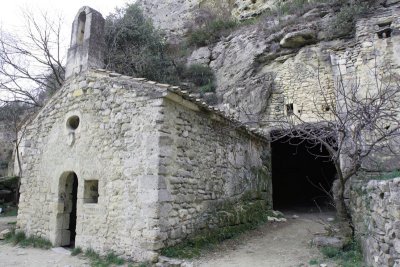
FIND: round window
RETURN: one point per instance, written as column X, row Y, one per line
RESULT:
column 73, row 122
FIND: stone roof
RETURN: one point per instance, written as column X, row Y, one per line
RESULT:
column 256, row 132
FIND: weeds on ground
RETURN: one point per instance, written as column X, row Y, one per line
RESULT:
column 76, row 251
column 349, row 256
column 20, row 239
column 111, row 259
column 193, row 247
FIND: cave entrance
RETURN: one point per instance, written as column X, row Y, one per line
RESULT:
column 300, row 170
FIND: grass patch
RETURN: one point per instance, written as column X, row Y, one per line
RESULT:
column 22, row 240
column 111, row 259
column 313, row 262
column 76, row 251
column 349, row 256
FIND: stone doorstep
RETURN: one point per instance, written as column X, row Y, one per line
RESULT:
column 61, row 250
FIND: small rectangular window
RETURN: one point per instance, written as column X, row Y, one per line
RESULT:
column 289, row 109
column 91, row 191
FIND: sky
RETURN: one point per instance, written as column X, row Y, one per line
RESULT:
column 11, row 15
column 12, row 19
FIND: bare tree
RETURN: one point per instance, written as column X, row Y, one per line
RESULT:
column 357, row 122
column 31, row 69
column 31, row 62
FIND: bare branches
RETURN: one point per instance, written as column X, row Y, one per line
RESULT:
column 31, row 64
column 355, row 118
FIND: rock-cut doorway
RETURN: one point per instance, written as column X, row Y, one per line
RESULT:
column 302, row 175
column 66, row 215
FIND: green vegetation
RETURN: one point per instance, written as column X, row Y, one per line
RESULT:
column 206, row 240
column 350, row 256
column 211, row 31
column 136, row 48
column 76, row 251
column 343, row 24
column 20, row 239
column 313, row 262
column 201, row 76
column 111, row 259
column 238, row 218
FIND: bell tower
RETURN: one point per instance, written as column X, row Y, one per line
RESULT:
column 87, row 42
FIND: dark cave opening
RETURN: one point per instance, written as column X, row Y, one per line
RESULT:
column 300, row 170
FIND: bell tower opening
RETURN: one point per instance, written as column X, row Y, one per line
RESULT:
column 80, row 34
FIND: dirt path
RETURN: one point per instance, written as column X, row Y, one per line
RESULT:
column 5, row 222
column 273, row 245
column 30, row 257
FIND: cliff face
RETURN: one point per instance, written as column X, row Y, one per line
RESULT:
column 281, row 60
column 262, row 67
column 175, row 17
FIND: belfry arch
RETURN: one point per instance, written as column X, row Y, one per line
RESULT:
column 80, row 33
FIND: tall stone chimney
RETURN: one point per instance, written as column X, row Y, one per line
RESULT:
column 87, row 42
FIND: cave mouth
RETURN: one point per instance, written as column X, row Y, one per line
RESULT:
column 300, row 169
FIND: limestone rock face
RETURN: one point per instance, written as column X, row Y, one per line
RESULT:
column 170, row 16
column 245, row 9
column 251, row 66
column 175, row 17
column 262, row 68
column 299, row 39
column 200, row 56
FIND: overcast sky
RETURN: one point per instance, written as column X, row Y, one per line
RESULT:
column 12, row 19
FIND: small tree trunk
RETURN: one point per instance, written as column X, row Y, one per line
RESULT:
column 343, row 212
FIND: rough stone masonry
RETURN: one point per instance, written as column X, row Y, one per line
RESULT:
column 115, row 163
